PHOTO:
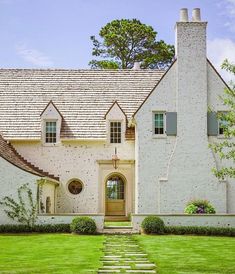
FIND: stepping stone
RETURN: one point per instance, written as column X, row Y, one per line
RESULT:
column 122, row 254
column 116, row 267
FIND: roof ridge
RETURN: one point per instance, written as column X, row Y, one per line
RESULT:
column 93, row 70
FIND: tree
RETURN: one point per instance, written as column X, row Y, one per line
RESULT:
column 226, row 148
column 25, row 210
column 128, row 41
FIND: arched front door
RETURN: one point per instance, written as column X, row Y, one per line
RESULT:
column 115, row 196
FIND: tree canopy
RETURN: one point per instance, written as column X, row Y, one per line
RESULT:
column 226, row 148
column 127, row 41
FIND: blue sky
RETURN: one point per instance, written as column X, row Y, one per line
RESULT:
column 55, row 33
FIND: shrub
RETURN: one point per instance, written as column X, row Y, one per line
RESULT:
column 200, row 230
column 199, row 207
column 83, row 225
column 153, row 224
column 45, row 228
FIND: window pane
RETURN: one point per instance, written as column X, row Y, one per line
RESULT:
column 50, row 132
column 159, row 123
column 115, row 188
column 115, row 132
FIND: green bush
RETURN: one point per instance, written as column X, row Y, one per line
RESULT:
column 200, row 230
column 153, row 224
column 45, row 228
column 83, row 225
column 199, row 207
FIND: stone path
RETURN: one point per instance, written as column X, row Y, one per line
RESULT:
column 122, row 254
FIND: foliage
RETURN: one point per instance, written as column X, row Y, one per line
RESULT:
column 199, row 207
column 83, row 225
column 153, row 224
column 226, row 148
column 200, row 230
column 25, row 210
column 44, row 228
column 127, row 41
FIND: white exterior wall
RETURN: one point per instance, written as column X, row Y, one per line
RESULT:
column 77, row 159
column 215, row 90
column 213, row 220
column 152, row 153
column 47, row 190
column 171, row 171
column 12, row 178
column 67, row 219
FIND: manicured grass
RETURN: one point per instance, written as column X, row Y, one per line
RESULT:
column 50, row 253
column 190, row 254
column 117, row 223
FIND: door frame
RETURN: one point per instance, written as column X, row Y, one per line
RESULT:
column 125, row 191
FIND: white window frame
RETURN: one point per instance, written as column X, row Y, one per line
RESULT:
column 109, row 136
column 158, row 135
column 44, row 132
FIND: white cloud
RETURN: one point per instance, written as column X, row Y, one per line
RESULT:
column 217, row 51
column 33, row 56
column 228, row 11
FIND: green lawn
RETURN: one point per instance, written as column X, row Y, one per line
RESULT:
column 190, row 254
column 50, row 253
column 117, row 223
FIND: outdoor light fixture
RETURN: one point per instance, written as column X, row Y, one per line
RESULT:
column 115, row 159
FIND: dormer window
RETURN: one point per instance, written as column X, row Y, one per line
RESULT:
column 116, row 122
column 50, row 132
column 115, row 132
column 51, row 120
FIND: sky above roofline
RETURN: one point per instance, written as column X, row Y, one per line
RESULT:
column 56, row 33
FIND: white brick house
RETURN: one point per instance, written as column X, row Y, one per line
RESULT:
column 69, row 123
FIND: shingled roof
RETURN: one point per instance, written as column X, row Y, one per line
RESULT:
column 11, row 155
column 82, row 97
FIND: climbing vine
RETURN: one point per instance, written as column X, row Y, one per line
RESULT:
column 24, row 210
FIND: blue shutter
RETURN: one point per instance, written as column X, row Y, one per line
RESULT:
column 171, row 123
column 212, row 124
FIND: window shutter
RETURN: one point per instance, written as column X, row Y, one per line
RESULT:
column 171, row 123
column 212, row 124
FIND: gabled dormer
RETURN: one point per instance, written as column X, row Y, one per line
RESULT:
column 51, row 120
column 116, row 122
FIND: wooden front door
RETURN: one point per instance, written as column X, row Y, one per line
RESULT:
column 115, row 196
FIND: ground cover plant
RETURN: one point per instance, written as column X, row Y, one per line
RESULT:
column 50, row 253
column 190, row 254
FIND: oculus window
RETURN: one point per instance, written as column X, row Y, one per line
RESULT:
column 75, row 187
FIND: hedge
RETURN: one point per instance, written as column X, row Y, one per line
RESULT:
column 200, row 230
column 45, row 228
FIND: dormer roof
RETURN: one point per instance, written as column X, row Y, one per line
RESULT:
column 54, row 106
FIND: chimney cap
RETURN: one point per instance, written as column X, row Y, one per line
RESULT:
column 196, row 15
column 184, row 15
column 136, row 65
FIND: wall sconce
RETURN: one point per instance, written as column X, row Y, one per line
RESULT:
column 115, row 159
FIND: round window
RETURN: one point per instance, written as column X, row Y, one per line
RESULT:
column 75, row 187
